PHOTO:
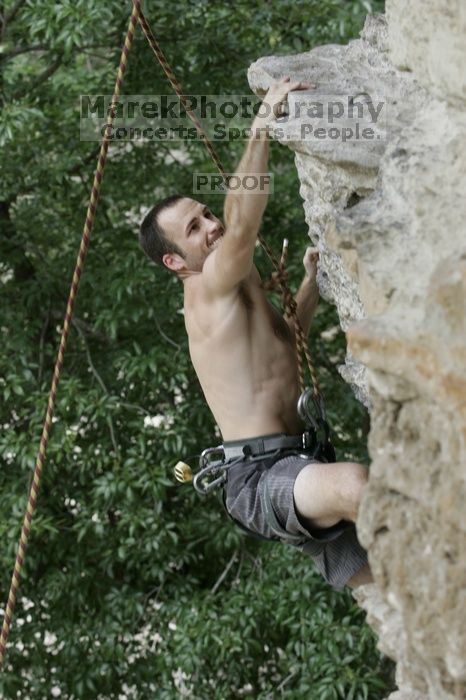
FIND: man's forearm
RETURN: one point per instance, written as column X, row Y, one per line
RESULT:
column 307, row 299
column 244, row 209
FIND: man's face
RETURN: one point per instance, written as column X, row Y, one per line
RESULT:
column 194, row 229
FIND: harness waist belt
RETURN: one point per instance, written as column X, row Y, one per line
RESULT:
column 263, row 445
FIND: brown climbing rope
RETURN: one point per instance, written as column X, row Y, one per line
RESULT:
column 280, row 276
column 88, row 224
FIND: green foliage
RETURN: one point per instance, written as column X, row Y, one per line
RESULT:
column 134, row 587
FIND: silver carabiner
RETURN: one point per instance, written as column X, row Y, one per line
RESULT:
column 208, row 467
column 205, row 458
column 305, row 412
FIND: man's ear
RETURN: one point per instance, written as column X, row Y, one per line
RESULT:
column 174, row 262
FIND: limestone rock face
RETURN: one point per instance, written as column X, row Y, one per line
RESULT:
column 388, row 215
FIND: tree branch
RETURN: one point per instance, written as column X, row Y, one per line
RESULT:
column 75, row 169
column 134, row 407
column 166, row 337
column 87, row 329
column 218, row 583
column 43, row 47
column 236, row 580
column 41, row 78
column 102, row 385
column 286, row 680
column 23, row 49
column 41, row 345
column 14, row 11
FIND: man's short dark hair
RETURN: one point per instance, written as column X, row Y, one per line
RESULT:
column 152, row 237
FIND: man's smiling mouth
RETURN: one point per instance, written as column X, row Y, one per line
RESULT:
column 215, row 240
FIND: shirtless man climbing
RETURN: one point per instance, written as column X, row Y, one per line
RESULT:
column 244, row 355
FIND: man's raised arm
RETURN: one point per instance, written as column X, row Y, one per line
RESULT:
column 232, row 261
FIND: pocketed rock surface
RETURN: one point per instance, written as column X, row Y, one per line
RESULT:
column 388, row 215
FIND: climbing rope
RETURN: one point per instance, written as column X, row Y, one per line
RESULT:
column 280, row 276
column 85, row 240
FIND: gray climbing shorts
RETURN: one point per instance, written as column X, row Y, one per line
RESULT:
column 259, row 496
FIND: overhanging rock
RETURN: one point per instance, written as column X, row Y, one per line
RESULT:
column 388, row 214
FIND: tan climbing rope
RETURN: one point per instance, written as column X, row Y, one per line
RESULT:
column 85, row 240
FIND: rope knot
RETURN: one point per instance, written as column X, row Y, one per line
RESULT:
column 278, row 279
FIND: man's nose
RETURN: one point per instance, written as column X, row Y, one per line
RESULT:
column 212, row 225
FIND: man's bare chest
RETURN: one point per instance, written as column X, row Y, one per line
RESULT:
column 246, row 316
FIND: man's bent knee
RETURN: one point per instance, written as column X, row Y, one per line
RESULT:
column 327, row 493
column 317, row 494
column 351, row 488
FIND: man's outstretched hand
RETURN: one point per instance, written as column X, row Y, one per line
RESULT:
column 311, row 257
column 274, row 100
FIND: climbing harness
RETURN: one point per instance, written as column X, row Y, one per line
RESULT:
column 215, row 464
column 280, row 279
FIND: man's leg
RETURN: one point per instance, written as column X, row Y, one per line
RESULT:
column 324, row 494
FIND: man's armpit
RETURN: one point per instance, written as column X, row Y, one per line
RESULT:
column 226, row 268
